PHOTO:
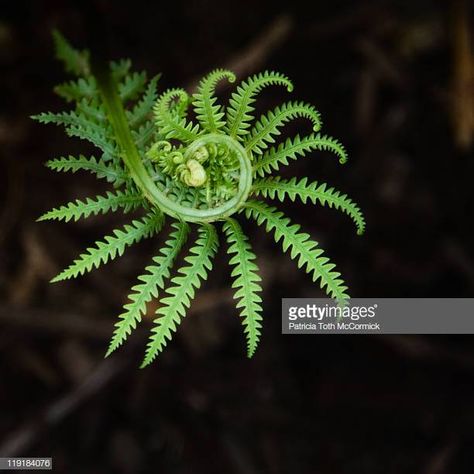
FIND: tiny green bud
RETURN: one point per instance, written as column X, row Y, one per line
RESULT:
column 196, row 176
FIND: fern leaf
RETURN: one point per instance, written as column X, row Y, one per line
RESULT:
column 74, row 61
column 302, row 249
column 273, row 158
column 246, row 280
column 179, row 297
column 144, row 107
column 239, row 110
column 83, row 88
column 94, row 111
column 112, row 174
column 120, row 69
column 132, row 86
column 315, row 192
column 269, row 124
column 98, row 136
column 207, row 111
column 172, row 125
column 113, row 246
column 150, row 283
column 78, row 125
column 99, row 205
column 71, row 120
column 144, row 135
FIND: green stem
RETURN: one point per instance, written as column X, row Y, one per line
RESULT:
column 142, row 179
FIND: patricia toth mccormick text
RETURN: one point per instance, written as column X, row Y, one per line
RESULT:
column 326, row 317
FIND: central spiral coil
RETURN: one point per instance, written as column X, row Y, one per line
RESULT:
column 205, row 181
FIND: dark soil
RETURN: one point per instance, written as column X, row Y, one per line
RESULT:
column 382, row 75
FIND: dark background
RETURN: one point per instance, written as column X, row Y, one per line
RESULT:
column 391, row 80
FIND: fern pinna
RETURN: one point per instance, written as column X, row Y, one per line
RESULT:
column 197, row 162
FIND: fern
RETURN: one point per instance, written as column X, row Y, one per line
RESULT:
column 315, row 192
column 246, row 280
column 269, row 124
column 174, row 306
column 120, row 69
column 76, row 62
column 72, row 122
column 301, row 247
column 151, row 282
column 99, row 205
column 132, row 86
column 172, row 125
column 207, row 111
column 145, row 107
column 109, row 172
column 239, row 111
column 112, row 246
column 292, row 148
column 158, row 160
column 83, row 88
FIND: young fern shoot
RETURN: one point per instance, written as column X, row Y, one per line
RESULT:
column 202, row 172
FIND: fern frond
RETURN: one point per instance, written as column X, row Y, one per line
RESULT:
column 315, row 192
column 269, row 124
column 132, row 86
column 239, row 110
column 98, row 205
column 113, row 245
column 144, row 107
column 78, row 125
column 75, row 61
column 70, row 120
column 120, row 68
column 273, row 158
column 92, row 110
column 246, row 280
column 151, row 283
column 144, row 135
column 173, row 307
column 207, row 111
column 98, row 136
column 173, row 125
column 302, row 249
column 111, row 173
column 83, row 88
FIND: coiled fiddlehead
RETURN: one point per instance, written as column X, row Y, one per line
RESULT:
column 203, row 168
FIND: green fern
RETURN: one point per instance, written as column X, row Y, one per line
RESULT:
column 99, row 205
column 76, row 62
column 268, row 125
column 301, row 247
column 83, row 88
column 151, row 282
column 315, row 192
column 246, row 280
column 203, row 171
column 239, row 111
column 111, row 172
column 207, row 111
column 113, row 246
column 132, row 86
column 174, row 306
column 292, row 148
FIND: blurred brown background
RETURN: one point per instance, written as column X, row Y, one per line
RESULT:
column 394, row 81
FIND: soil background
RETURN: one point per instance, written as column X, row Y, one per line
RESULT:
column 394, row 82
